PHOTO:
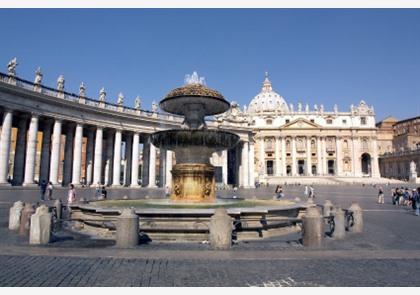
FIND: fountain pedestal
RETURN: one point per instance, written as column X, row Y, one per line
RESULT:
column 193, row 183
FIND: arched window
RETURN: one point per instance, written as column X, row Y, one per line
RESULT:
column 269, row 122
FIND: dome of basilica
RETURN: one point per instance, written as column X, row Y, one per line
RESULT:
column 267, row 100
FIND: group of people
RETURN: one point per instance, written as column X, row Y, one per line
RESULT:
column 46, row 190
column 406, row 197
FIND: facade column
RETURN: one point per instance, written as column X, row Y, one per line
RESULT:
column 135, row 161
column 339, row 158
column 283, row 156
column 19, row 162
column 68, row 155
column 117, row 159
column 45, row 151
column 77, row 153
column 244, row 165
column 375, row 160
column 324, row 156
column 277, row 155
column 55, row 152
column 29, row 178
column 162, row 167
column 308, row 156
column 294, row 156
column 353, row 160
column 152, row 166
column 168, row 166
column 97, row 163
column 128, row 158
column 225, row 167
column 109, row 157
column 319, row 156
column 251, row 165
column 5, row 140
column 263, row 170
column 89, row 156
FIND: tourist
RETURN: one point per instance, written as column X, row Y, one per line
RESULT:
column 414, row 199
column 381, row 195
column 306, row 192
column 43, row 188
column 167, row 191
column 103, row 193
column 393, row 195
column 50, row 190
column 311, row 192
column 279, row 192
column 416, row 196
column 97, row 191
column 71, row 196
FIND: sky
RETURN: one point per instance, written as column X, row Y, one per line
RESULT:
column 315, row 56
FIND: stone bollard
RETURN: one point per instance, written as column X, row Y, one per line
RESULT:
column 327, row 208
column 221, row 227
column 339, row 224
column 59, row 209
column 313, row 228
column 128, row 229
column 15, row 213
column 40, row 226
column 358, row 218
column 25, row 220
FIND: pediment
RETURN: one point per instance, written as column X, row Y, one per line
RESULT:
column 301, row 124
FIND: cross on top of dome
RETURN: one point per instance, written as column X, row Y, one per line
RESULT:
column 267, row 84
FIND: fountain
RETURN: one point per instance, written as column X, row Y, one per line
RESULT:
column 193, row 144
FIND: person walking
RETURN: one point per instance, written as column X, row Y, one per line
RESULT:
column 416, row 198
column 71, row 195
column 49, row 190
column 306, row 192
column 311, row 192
column 103, row 193
column 97, row 191
column 381, row 195
column 43, row 188
column 167, row 191
column 279, row 192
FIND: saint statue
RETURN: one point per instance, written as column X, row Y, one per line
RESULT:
column 154, row 107
column 299, row 107
column 82, row 90
column 291, row 107
column 307, row 108
column 137, row 103
column 38, row 76
column 60, row 83
column 120, row 99
column 316, row 107
column 335, row 108
column 11, row 67
column 413, row 168
column 352, row 108
column 321, row 108
column 102, row 94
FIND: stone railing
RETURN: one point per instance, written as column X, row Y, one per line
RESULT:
column 401, row 153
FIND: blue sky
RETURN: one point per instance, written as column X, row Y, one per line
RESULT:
column 322, row 56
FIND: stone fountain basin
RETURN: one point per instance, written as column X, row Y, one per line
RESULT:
column 210, row 104
column 161, row 220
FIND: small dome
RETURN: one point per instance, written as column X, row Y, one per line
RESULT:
column 267, row 100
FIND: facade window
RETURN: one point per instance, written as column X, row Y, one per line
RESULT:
column 363, row 120
column 269, row 122
column 287, row 121
column 312, row 120
column 329, row 121
column 344, row 121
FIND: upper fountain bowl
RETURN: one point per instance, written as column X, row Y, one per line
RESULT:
column 210, row 100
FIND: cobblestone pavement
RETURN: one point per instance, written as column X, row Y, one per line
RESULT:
column 386, row 254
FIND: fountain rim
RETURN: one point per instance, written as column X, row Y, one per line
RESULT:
column 210, row 100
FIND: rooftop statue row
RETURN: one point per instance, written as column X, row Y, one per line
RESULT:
column 11, row 72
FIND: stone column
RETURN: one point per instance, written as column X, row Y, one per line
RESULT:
column 109, row 157
column 283, row 156
column 89, row 156
column 162, row 167
column 152, row 166
column 145, row 166
column 68, row 155
column 308, row 157
column 168, row 174
column 117, row 159
column 77, row 163
column 245, row 164
column 251, row 165
column 263, row 170
column 45, row 151
column 324, row 156
column 319, row 156
column 353, row 160
column 128, row 158
column 31, row 152
column 5, row 138
column 55, row 152
column 294, row 156
column 375, row 160
column 97, row 164
column 225, row 167
column 135, row 161
column 19, row 163
column 339, row 158
column 277, row 155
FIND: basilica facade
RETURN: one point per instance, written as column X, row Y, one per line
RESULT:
column 53, row 135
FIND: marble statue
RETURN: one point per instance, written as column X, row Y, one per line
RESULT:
column 321, row 108
column 352, row 108
column 291, row 107
column 316, row 107
column 413, row 168
column 60, row 83
column 154, row 107
column 245, row 109
column 307, row 108
column 120, row 99
column 102, row 94
column 11, row 67
column 299, row 107
column 82, row 90
column 335, row 108
column 38, row 76
column 137, row 103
